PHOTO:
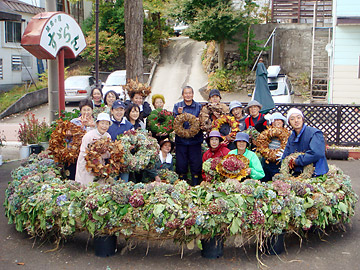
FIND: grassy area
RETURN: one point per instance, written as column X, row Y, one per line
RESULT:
column 10, row 97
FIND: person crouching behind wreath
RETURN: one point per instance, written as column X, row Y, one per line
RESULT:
column 255, row 170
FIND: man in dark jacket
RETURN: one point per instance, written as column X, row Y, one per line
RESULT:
column 307, row 140
column 188, row 150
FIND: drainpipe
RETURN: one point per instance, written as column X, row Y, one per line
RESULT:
column 53, row 79
column 332, row 57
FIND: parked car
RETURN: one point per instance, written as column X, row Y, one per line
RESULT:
column 114, row 82
column 280, row 86
column 78, row 87
column 179, row 28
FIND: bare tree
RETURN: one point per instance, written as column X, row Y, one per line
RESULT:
column 134, row 20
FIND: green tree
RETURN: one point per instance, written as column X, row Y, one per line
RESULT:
column 214, row 20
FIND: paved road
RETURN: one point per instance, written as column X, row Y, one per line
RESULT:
column 337, row 250
column 180, row 65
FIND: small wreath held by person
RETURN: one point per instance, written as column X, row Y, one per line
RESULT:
column 186, row 125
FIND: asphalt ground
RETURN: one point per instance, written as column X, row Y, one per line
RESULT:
column 336, row 250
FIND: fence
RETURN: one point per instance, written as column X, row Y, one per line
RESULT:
column 340, row 123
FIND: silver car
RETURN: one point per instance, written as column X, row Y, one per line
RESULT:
column 78, row 87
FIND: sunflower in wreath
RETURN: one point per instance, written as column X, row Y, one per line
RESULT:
column 227, row 126
column 271, row 141
column 233, row 166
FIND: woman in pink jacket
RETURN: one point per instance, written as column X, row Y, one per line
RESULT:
column 103, row 122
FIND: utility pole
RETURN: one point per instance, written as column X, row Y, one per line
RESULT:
column 53, row 79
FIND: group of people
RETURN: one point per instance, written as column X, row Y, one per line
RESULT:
column 118, row 117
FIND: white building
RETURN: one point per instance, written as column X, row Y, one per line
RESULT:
column 345, row 53
column 16, row 64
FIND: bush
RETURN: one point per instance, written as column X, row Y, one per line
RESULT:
column 222, row 80
column 111, row 46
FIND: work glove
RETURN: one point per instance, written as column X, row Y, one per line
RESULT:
column 279, row 154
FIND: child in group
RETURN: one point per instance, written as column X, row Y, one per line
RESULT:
column 109, row 99
column 119, row 123
column 102, row 125
column 255, row 170
column 132, row 114
column 85, row 120
column 165, row 160
column 158, row 101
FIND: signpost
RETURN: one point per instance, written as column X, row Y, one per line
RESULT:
column 52, row 35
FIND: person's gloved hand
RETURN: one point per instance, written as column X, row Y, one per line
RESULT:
column 279, row 154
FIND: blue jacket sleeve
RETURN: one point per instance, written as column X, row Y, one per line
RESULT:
column 316, row 151
column 146, row 110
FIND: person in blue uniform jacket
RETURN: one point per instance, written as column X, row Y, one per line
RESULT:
column 308, row 140
column 188, row 150
column 119, row 122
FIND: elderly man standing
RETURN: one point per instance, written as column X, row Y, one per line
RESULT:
column 188, row 150
column 307, row 140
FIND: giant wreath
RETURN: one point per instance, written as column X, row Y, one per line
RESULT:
column 65, row 141
column 141, row 150
column 181, row 122
column 264, row 139
column 160, row 121
column 95, row 162
column 226, row 120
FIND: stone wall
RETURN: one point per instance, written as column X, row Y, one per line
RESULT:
column 292, row 48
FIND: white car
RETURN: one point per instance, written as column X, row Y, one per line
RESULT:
column 280, row 86
column 179, row 28
column 114, row 82
column 78, row 88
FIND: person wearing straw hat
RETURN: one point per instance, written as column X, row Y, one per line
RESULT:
column 255, row 170
column 254, row 116
column 308, row 140
column 103, row 123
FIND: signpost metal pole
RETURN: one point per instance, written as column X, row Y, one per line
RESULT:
column 97, row 43
column 61, row 66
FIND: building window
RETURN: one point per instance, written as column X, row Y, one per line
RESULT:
column 27, row 61
column 12, row 32
column 1, row 69
column 16, row 62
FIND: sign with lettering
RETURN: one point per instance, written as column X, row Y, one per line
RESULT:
column 49, row 32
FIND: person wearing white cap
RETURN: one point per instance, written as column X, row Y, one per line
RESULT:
column 255, row 170
column 103, row 123
column 275, row 120
column 308, row 140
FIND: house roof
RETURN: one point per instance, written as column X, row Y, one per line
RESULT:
column 7, row 14
column 20, row 6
